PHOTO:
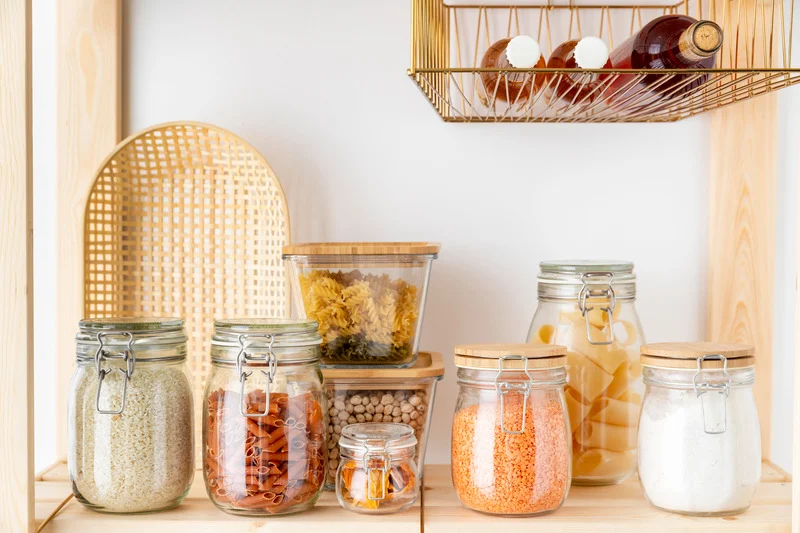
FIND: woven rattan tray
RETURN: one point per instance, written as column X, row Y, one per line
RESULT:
column 186, row 220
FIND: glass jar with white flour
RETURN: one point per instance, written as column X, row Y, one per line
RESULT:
column 699, row 437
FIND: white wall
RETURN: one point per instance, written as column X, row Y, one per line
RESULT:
column 319, row 88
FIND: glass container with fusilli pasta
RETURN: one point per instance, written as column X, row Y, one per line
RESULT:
column 368, row 298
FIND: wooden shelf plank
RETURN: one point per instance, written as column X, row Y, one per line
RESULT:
column 617, row 508
column 199, row 515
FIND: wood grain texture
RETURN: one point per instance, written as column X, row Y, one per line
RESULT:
column 616, row 508
column 16, row 269
column 741, row 236
column 88, row 127
column 796, row 417
column 428, row 365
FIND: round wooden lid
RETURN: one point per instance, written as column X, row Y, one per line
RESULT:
column 487, row 356
column 427, row 365
column 686, row 354
column 362, row 248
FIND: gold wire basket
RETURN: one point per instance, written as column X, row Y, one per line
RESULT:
column 448, row 41
column 186, row 220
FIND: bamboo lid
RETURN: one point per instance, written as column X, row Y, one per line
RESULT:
column 362, row 248
column 487, row 356
column 686, row 354
column 427, row 365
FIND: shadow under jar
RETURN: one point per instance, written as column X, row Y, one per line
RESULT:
column 130, row 416
column 511, row 443
column 377, row 473
column 589, row 307
column 265, row 417
column 699, row 437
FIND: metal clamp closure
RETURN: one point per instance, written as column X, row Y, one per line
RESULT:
column 244, row 358
column 102, row 354
column 713, row 396
column 606, row 292
column 386, row 462
column 504, row 387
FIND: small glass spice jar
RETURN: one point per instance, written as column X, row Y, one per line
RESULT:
column 264, row 433
column 377, row 473
column 699, row 437
column 511, row 439
column 589, row 307
column 130, row 416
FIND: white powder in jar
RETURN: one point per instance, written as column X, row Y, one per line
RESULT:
column 684, row 469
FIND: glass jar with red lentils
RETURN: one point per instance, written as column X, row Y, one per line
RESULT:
column 511, row 437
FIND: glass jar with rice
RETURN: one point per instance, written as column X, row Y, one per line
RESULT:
column 130, row 416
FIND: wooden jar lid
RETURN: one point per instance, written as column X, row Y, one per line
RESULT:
column 427, row 365
column 686, row 354
column 362, row 248
column 487, row 356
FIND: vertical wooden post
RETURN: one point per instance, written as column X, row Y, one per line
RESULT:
column 741, row 235
column 16, row 269
column 89, row 117
column 796, row 417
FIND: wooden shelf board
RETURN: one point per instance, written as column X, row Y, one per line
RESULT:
column 617, row 508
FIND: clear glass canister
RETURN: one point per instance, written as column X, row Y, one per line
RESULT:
column 264, row 433
column 699, row 436
column 588, row 306
column 511, row 442
column 377, row 473
column 130, row 427
column 368, row 298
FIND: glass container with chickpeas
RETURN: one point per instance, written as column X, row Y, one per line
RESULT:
column 367, row 395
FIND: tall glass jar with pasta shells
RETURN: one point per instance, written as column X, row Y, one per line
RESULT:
column 589, row 307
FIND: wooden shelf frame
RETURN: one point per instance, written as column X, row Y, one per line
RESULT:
column 742, row 207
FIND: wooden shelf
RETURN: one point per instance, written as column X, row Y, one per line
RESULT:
column 619, row 508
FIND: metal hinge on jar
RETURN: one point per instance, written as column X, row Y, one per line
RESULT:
column 103, row 354
column 604, row 293
column 504, row 387
column 243, row 358
column 713, row 396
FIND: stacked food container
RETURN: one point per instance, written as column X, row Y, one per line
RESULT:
column 368, row 300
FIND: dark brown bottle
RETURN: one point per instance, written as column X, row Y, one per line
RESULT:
column 668, row 42
column 521, row 51
column 578, row 87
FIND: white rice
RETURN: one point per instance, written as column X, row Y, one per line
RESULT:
column 138, row 461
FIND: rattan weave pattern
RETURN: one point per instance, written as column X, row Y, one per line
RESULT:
column 186, row 220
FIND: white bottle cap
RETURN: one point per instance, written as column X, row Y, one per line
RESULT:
column 591, row 52
column 523, row 52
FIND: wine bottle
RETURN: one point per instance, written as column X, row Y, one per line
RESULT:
column 667, row 42
column 521, row 51
column 578, row 87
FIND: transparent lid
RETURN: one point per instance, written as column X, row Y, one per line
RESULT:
column 275, row 335
column 568, row 279
column 370, row 437
column 124, row 332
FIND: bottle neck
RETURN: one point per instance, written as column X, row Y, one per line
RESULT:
column 698, row 42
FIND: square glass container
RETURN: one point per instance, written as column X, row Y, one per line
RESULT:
column 381, row 395
column 368, row 298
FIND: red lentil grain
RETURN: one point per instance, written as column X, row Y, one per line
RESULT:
column 499, row 473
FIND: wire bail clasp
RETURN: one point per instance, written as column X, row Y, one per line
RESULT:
column 243, row 358
column 386, row 464
column 504, row 387
column 127, row 373
column 713, row 396
column 606, row 292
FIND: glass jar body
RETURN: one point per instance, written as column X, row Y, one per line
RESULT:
column 142, row 459
column 271, row 464
column 683, row 467
column 604, row 383
column 511, row 452
column 379, row 486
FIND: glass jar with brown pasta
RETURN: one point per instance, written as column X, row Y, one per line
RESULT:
column 265, row 417
column 589, row 307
